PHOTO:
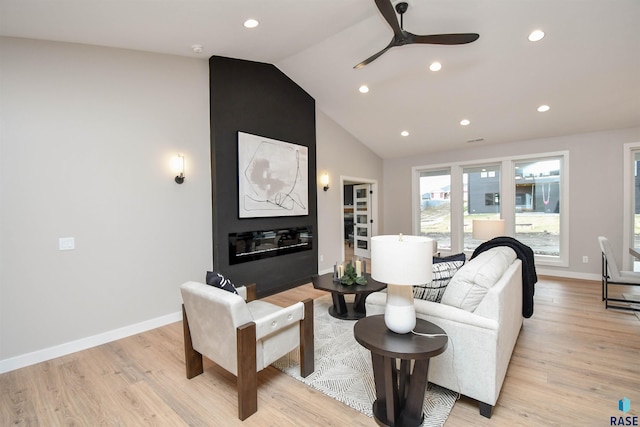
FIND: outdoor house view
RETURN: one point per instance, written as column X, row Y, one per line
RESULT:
column 536, row 208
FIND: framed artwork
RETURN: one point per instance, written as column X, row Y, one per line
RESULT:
column 273, row 177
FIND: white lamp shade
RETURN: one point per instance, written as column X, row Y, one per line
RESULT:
column 401, row 260
column 487, row 229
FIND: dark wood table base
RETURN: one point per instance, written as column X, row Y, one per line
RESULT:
column 400, row 390
column 348, row 310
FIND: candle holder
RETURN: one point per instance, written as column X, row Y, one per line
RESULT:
column 347, row 274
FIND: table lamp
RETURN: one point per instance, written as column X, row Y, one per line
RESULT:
column 401, row 262
column 487, row 229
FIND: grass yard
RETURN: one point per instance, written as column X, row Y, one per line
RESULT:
column 540, row 231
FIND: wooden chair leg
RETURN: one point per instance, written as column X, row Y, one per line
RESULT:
column 307, row 349
column 192, row 359
column 247, row 370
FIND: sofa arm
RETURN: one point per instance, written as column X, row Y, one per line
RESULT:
column 438, row 310
column 376, row 302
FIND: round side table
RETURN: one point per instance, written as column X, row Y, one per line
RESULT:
column 346, row 310
column 399, row 390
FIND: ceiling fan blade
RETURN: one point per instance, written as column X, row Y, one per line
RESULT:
column 389, row 14
column 374, row 57
column 449, row 39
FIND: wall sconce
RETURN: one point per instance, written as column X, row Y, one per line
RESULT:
column 177, row 164
column 324, row 181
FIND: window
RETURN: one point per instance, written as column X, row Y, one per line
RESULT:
column 481, row 198
column 529, row 196
column 636, row 199
column 537, row 207
column 631, row 221
column 435, row 206
column 491, row 199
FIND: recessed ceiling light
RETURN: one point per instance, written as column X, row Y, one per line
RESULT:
column 435, row 66
column 465, row 122
column 404, row 133
column 197, row 48
column 251, row 23
column 536, row 35
column 543, row 108
column 363, row 89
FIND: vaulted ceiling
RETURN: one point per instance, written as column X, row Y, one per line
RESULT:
column 586, row 68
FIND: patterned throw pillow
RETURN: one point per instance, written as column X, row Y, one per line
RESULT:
column 442, row 271
column 219, row 281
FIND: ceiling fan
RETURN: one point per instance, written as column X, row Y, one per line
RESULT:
column 402, row 37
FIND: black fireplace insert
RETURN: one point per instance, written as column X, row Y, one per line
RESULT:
column 254, row 245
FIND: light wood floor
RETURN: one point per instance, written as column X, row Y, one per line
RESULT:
column 572, row 363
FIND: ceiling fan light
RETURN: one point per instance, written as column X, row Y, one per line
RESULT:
column 464, row 122
column 435, row 66
column 251, row 23
column 536, row 35
column 363, row 89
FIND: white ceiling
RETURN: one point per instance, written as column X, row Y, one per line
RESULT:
column 587, row 68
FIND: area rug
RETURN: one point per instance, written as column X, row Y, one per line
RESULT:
column 344, row 372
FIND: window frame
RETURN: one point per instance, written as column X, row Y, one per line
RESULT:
column 416, row 200
column 507, row 199
column 628, row 188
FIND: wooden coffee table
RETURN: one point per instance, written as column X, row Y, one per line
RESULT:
column 399, row 391
column 340, row 308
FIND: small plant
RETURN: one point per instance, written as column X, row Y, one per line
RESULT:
column 351, row 278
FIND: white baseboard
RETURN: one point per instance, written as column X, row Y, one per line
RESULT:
column 38, row 356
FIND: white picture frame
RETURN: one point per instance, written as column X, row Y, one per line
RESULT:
column 273, row 177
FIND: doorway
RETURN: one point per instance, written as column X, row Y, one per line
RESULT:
column 359, row 216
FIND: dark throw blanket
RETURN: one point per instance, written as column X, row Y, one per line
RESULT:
column 529, row 276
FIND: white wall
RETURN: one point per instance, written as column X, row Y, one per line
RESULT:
column 596, row 196
column 86, row 137
column 341, row 155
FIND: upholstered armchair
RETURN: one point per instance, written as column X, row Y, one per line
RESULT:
column 243, row 335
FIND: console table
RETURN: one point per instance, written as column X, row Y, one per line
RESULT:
column 400, row 392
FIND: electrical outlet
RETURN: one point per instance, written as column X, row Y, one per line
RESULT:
column 66, row 243
column 585, row 259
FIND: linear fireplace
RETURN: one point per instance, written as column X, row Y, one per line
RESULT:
column 255, row 245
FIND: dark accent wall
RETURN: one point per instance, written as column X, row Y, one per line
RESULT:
column 259, row 99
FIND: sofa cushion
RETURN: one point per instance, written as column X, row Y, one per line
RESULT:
column 443, row 270
column 219, row 281
column 471, row 283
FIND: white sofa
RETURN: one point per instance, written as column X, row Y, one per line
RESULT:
column 481, row 339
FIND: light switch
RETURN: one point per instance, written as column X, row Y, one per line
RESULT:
column 66, row 243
